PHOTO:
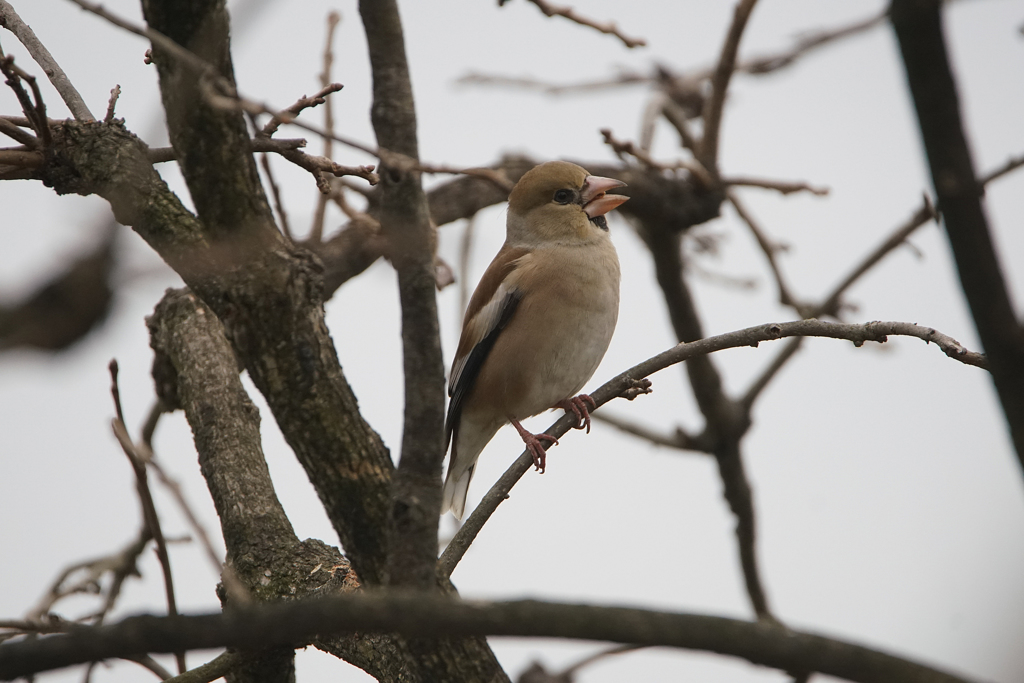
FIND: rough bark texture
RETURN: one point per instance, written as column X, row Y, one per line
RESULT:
column 405, row 223
column 918, row 25
column 269, row 295
column 196, row 370
column 423, row 614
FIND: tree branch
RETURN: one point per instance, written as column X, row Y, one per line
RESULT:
column 10, row 20
column 607, row 27
column 195, row 369
column 430, row 616
column 918, row 26
column 714, row 105
column 623, row 383
column 405, row 223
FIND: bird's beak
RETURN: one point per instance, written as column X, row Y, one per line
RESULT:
column 595, row 201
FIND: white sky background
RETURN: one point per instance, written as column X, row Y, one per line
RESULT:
column 890, row 502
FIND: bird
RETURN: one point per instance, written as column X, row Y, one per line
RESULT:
column 539, row 322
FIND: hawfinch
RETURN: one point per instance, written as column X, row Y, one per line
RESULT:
column 540, row 320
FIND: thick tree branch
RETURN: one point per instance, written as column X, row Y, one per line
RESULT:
column 195, row 369
column 405, row 223
column 430, row 616
column 918, row 26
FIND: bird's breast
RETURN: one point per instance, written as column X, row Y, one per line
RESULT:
column 558, row 335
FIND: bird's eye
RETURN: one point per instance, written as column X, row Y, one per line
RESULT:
column 564, row 196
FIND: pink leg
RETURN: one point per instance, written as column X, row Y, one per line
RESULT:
column 533, row 444
column 578, row 406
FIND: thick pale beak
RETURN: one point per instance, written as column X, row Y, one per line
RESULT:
column 595, row 201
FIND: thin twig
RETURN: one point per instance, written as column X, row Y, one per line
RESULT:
column 679, row 440
column 696, row 169
column 34, row 112
column 465, row 254
column 783, row 186
column 148, row 662
column 607, row 27
column 236, row 590
column 211, row 671
column 114, row 94
column 830, row 304
column 572, row 670
column 13, row 23
column 1011, row 164
column 275, row 192
column 770, row 249
column 289, row 114
column 146, row 499
column 316, row 231
column 14, row 132
column 120, row 565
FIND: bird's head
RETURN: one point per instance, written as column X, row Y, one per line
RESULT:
column 559, row 201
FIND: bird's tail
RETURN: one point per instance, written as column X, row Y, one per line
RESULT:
column 469, row 439
column 453, row 496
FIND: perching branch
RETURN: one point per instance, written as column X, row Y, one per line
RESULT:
column 623, row 382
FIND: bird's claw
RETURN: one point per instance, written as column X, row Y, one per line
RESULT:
column 578, row 406
column 534, row 445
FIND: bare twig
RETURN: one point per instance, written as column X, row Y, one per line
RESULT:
column 316, row 231
column 148, row 662
column 120, row 565
column 34, row 112
column 275, row 192
column 608, row 27
column 16, row 133
column 13, row 23
column 783, row 186
column 572, row 670
column 808, row 42
column 144, row 450
column 318, row 166
column 496, row 176
column 289, row 114
column 1012, row 164
column 211, row 671
column 755, row 66
column 114, row 94
column 679, row 440
column 465, row 252
column 149, row 513
column 624, row 78
column 695, row 168
column 770, row 249
column 830, row 304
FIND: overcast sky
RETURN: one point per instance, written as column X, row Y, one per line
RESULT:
column 890, row 502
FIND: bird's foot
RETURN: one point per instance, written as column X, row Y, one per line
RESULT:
column 578, row 406
column 534, row 445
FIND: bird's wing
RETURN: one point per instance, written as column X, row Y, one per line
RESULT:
column 490, row 309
